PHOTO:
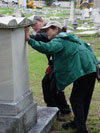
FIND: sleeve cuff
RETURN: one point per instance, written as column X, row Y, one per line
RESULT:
column 30, row 41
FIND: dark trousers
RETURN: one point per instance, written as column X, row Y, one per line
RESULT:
column 52, row 97
column 80, row 100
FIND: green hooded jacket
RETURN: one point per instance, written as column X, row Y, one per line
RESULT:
column 72, row 57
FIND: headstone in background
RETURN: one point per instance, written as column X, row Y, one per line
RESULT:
column 29, row 11
column 96, row 16
column 65, row 22
column 17, row 13
column 96, row 4
column 22, row 3
column 1, row 4
column 86, row 13
column 72, row 12
column 82, row 17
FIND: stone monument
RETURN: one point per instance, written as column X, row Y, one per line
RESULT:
column 18, row 111
column 72, row 12
column 82, row 17
column 96, row 4
column 86, row 13
column 96, row 16
column 22, row 3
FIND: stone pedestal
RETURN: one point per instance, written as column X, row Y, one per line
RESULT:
column 18, row 111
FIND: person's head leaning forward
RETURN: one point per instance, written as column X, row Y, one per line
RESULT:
column 38, row 23
column 51, row 28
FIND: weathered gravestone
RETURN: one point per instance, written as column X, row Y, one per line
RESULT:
column 96, row 16
column 86, row 13
column 72, row 12
column 18, row 111
column 0, row 3
column 22, row 3
column 96, row 3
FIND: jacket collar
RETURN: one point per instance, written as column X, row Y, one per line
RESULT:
column 62, row 34
column 70, row 37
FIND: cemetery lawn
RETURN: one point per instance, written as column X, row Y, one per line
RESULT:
column 37, row 66
column 6, row 11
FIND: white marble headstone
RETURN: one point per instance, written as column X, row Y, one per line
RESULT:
column 72, row 11
column 14, row 80
column 86, row 13
column 96, row 16
column 22, row 3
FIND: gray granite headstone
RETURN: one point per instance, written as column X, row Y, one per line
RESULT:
column 72, row 12
column 96, row 16
column 96, row 3
column 18, row 111
column 22, row 3
column 86, row 13
column 65, row 22
column 0, row 3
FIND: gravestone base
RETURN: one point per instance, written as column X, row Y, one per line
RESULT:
column 18, row 116
column 45, row 118
column 32, row 120
column 20, row 123
column 23, row 116
column 10, row 108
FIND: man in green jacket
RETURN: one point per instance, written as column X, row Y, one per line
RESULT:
column 73, row 63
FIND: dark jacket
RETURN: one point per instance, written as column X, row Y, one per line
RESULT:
column 40, row 37
column 43, row 37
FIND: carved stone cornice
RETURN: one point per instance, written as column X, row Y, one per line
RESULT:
column 15, row 22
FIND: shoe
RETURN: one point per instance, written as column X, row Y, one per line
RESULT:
column 61, row 119
column 82, row 131
column 70, row 124
column 65, row 111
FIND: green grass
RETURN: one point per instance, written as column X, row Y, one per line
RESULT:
column 37, row 66
column 6, row 11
